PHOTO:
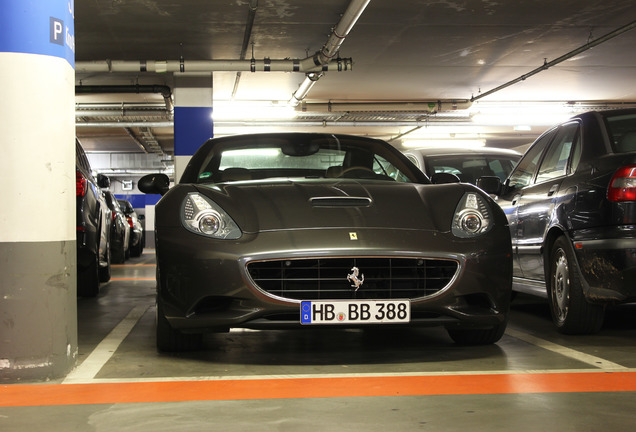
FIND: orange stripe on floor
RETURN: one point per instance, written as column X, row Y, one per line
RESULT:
column 132, row 278
column 173, row 391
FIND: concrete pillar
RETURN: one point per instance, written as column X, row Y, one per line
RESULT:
column 38, row 303
column 192, row 118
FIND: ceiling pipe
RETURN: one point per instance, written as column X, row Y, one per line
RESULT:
column 206, row 66
column 135, row 140
column 411, row 107
column 247, row 35
column 287, row 124
column 330, row 48
column 124, row 124
column 547, row 65
column 121, row 112
column 161, row 89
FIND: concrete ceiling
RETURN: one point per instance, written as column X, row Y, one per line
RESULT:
column 405, row 54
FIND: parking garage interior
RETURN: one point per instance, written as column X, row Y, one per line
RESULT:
column 142, row 84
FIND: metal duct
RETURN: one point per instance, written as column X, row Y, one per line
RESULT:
column 165, row 91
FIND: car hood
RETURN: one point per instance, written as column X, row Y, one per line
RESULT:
column 259, row 206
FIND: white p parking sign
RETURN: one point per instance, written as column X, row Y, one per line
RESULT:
column 56, row 31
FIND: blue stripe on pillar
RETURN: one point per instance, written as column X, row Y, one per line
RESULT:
column 192, row 127
column 39, row 27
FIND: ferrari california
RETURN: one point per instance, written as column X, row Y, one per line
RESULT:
column 299, row 230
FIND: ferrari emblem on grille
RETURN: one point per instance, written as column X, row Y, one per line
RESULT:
column 353, row 236
column 356, row 278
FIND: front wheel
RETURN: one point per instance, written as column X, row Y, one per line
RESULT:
column 172, row 340
column 571, row 312
column 135, row 250
column 88, row 279
column 477, row 336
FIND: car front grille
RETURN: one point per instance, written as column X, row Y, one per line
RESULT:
column 326, row 278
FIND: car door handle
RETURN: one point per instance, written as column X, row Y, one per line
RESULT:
column 553, row 189
column 515, row 200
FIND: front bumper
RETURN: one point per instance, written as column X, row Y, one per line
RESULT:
column 204, row 285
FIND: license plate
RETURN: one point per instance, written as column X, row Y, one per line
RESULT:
column 355, row 311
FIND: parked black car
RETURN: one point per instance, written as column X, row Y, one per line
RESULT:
column 119, row 232
column 93, row 227
column 571, row 206
column 289, row 230
column 137, row 240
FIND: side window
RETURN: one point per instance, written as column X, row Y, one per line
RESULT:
column 524, row 172
column 501, row 167
column 414, row 160
column 555, row 163
column 383, row 167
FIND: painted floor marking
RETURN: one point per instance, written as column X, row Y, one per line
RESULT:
column 564, row 351
column 91, row 366
column 296, row 388
column 336, row 375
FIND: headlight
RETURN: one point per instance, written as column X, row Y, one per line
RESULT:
column 472, row 216
column 201, row 215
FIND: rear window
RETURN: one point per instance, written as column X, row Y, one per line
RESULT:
column 470, row 167
column 622, row 132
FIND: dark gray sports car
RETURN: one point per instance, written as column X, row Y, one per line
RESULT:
column 308, row 230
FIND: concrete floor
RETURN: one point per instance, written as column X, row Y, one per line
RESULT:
column 329, row 380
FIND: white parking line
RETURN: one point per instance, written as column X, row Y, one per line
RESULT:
column 567, row 352
column 347, row 375
column 90, row 367
column 88, row 370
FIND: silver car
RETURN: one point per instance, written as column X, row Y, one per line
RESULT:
column 466, row 163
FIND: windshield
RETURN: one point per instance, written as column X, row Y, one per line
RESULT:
column 470, row 167
column 309, row 156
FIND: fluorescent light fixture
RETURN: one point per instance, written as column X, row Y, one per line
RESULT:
column 522, row 128
column 252, row 152
column 443, row 143
column 251, row 110
column 516, row 118
column 521, row 113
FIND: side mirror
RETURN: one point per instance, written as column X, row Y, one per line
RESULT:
column 103, row 181
column 154, row 184
column 489, row 184
column 442, row 178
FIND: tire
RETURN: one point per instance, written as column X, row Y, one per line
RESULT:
column 104, row 272
column 571, row 312
column 88, row 280
column 477, row 336
column 119, row 256
column 172, row 340
column 135, row 251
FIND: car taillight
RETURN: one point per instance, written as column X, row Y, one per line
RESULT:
column 130, row 222
column 622, row 187
column 81, row 184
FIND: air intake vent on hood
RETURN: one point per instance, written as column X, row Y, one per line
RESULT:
column 343, row 201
